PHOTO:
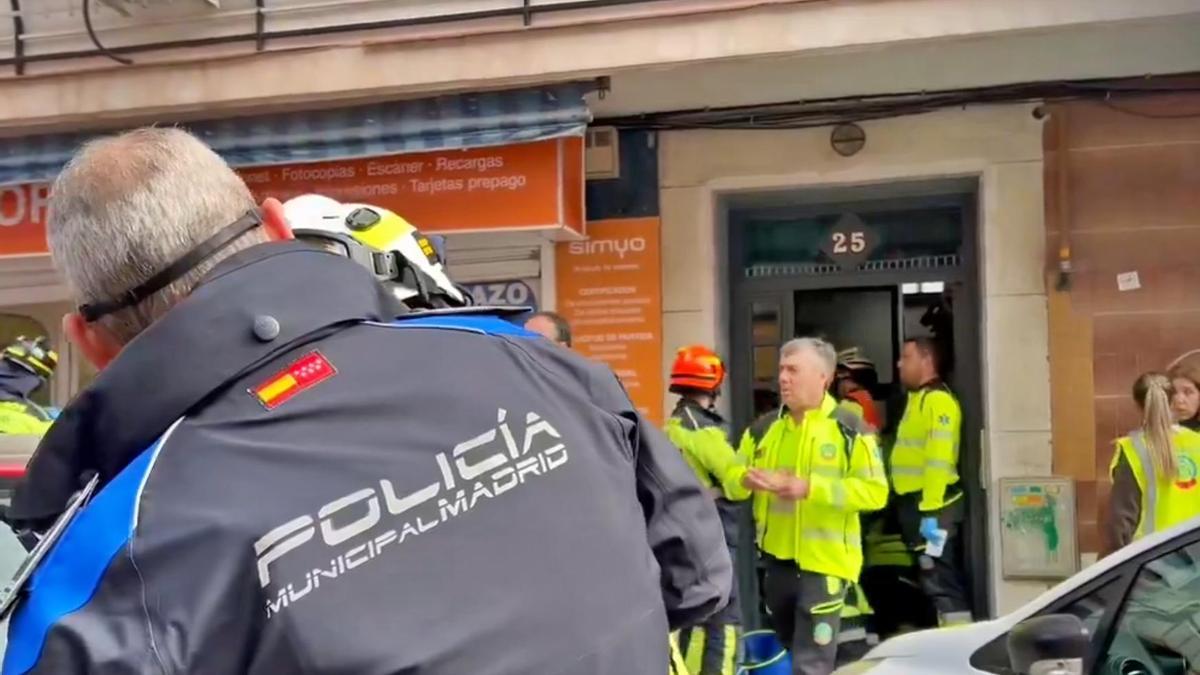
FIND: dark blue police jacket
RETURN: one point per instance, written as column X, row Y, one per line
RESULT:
column 443, row 494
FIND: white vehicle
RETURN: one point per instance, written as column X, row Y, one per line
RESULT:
column 1137, row 612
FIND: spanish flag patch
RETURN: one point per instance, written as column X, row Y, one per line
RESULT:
column 305, row 373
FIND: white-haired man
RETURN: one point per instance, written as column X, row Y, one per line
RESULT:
column 812, row 472
column 292, row 480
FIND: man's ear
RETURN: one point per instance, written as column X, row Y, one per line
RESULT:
column 93, row 340
column 275, row 222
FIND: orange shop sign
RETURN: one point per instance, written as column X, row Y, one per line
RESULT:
column 530, row 186
column 23, row 219
column 610, row 291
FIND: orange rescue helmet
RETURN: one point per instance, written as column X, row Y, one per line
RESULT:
column 697, row 368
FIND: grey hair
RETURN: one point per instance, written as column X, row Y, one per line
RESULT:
column 127, row 206
column 825, row 353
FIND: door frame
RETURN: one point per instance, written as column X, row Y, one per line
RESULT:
column 969, row 336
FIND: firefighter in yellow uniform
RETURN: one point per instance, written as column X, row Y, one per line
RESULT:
column 815, row 469
column 25, row 366
column 924, row 465
column 701, row 435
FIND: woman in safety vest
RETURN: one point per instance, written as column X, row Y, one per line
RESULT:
column 1154, row 469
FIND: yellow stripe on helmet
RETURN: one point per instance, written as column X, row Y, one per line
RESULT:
column 382, row 234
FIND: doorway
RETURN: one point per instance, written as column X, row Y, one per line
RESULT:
column 863, row 268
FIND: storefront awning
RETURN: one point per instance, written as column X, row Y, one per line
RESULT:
column 450, row 122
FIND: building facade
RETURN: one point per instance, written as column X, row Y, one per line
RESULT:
column 982, row 146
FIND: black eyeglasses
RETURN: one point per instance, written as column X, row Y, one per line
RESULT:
column 187, row 262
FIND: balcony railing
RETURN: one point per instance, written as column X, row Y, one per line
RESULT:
column 42, row 32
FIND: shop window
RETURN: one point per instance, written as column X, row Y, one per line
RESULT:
column 15, row 325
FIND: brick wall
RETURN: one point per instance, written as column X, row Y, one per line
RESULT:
column 1123, row 180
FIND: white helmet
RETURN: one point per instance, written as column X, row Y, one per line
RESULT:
column 405, row 260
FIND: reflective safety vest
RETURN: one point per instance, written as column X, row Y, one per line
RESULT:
column 839, row 457
column 886, row 550
column 925, row 455
column 22, row 419
column 1165, row 501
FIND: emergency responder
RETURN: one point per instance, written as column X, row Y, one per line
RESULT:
column 25, row 367
column 266, row 434
column 928, row 497
column 702, row 436
column 815, row 469
column 1154, row 468
column 856, row 378
column 860, row 627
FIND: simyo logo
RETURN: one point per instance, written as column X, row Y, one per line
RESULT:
column 617, row 247
column 375, row 517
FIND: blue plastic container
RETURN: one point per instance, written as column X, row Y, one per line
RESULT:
column 763, row 655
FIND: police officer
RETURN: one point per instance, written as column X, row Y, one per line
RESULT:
column 293, row 480
column 25, row 367
column 814, row 470
column 702, row 436
column 924, row 465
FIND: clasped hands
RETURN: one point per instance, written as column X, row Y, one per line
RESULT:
column 784, row 484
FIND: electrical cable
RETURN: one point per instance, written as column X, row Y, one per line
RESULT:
column 91, row 31
column 811, row 113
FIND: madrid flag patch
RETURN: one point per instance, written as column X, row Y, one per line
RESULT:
column 305, row 373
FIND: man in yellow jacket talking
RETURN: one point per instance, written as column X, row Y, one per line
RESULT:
column 813, row 471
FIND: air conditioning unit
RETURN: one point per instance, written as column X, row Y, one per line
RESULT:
column 602, row 153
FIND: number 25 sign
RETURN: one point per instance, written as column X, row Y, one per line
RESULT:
column 850, row 242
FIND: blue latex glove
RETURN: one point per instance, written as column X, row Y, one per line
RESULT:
column 935, row 538
column 929, row 529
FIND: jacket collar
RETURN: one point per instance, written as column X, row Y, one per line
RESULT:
column 828, row 405
column 187, row 355
column 703, row 416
